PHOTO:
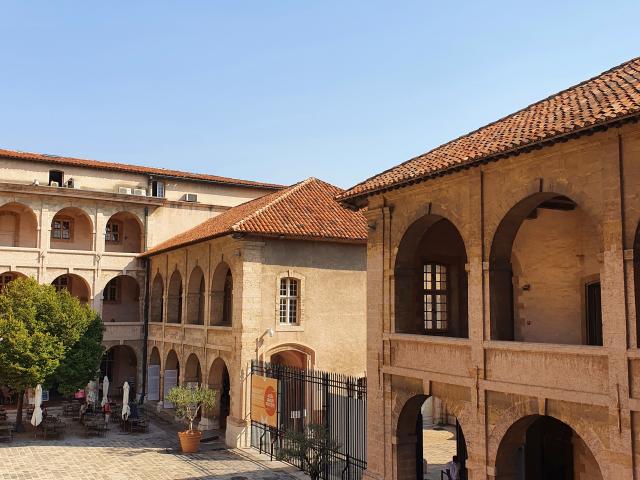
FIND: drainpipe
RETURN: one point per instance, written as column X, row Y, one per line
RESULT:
column 145, row 313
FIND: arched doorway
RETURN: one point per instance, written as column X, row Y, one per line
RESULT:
column 546, row 233
column 221, row 311
column 153, row 375
column 18, row 226
column 71, row 229
column 430, row 280
column 120, row 365
column 195, row 297
column 174, row 298
column 171, row 375
column 290, row 358
column 157, row 300
column 123, row 233
column 75, row 284
column 7, row 277
column 121, row 300
column 429, row 439
column 540, row 447
column 219, row 380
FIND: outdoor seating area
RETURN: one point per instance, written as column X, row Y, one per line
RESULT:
column 6, row 429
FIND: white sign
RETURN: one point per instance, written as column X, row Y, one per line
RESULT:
column 153, row 382
column 170, row 381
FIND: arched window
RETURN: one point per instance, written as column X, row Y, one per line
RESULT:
column 289, row 301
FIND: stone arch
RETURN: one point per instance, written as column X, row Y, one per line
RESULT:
column 541, row 446
column 154, row 357
column 195, row 297
column 430, row 279
column 192, row 370
column 157, row 299
column 221, row 310
column 292, row 355
column 220, row 381
column 174, row 298
column 124, row 233
column 171, row 372
column 71, row 229
column 636, row 280
column 120, row 364
column 121, row 300
column 546, row 232
column 9, row 276
column 75, row 284
column 18, row 226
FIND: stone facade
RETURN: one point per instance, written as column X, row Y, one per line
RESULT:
column 329, row 333
column 540, row 230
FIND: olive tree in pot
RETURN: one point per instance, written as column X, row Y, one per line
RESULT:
column 188, row 401
column 310, row 450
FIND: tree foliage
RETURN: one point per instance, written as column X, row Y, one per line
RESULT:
column 309, row 449
column 189, row 400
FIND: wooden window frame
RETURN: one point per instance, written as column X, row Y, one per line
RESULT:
column 62, row 287
column 62, row 219
column 287, row 299
column 430, row 293
column 120, row 232
column 118, row 292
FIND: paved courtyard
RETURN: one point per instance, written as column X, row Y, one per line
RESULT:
column 439, row 446
column 119, row 456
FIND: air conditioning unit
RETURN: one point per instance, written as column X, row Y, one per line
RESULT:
column 190, row 197
column 124, row 190
column 140, row 191
column 54, row 184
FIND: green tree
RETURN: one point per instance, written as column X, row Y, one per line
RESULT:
column 188, row 401
column 310, row 449
column 38, row 327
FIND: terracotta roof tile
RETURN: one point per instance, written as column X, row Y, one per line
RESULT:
column 306, row 210
column 123, row 167
column 611, row 96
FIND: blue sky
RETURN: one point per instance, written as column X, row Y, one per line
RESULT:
column 282, row 90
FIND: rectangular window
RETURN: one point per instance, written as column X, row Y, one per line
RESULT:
column 111, row 291
column 435, row 298
column 56, row 176
column 61, row 229
column 157, row 189
column 289, row 300
column 114, row 232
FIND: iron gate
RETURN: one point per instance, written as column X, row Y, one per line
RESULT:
column 305, row 397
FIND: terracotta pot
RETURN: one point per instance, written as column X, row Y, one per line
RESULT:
column 190, row 441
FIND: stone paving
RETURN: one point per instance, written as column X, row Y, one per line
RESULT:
column 439, row 447
column 120, row 456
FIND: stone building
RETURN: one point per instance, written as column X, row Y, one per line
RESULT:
column 280, row 279
column 81, row 225
column 503, row 278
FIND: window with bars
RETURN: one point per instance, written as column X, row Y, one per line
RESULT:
column 62, row 229
column 113, row 232
column 435, row 295
column 289, row 301
column 112, row 291
column 62, row 283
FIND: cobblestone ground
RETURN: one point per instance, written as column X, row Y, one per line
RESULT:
column 439, row 447
column 120, row 456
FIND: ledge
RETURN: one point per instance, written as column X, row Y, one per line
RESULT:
column 20, row 249
column 437, row 339
column 546, row 348
column 221, row 328
column 72, row 252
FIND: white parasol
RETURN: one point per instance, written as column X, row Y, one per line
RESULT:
column 36, row 418
column 126, row 410
column 105, row 391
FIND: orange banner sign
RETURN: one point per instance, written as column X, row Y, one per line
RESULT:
column 264, row 400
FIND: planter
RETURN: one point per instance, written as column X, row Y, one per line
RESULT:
column 190, row 441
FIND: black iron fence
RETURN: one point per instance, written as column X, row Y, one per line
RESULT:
column 309, row 397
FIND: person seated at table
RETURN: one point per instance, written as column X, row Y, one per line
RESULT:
column 45, row 414
column 106, row 410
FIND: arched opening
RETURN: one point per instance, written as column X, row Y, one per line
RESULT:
column 120, row 365
column 123, row 233
column 545, row 275
column 156, row 306
column 222, row 296
column 543, row 448
column 430, row 441
column 219, row 380
column 636, row 279
column 121, row 300
column 18, row 226
column 171, row 375
column 192, row 371
column 195, row 297
column 174, row 298
column 431, row 280
column 71, row 229
column 75, row 284
column 290, row 358
column 153, row 375
column 8, row 277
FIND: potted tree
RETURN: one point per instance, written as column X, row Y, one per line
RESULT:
column 188, row 401
column 310, row 450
